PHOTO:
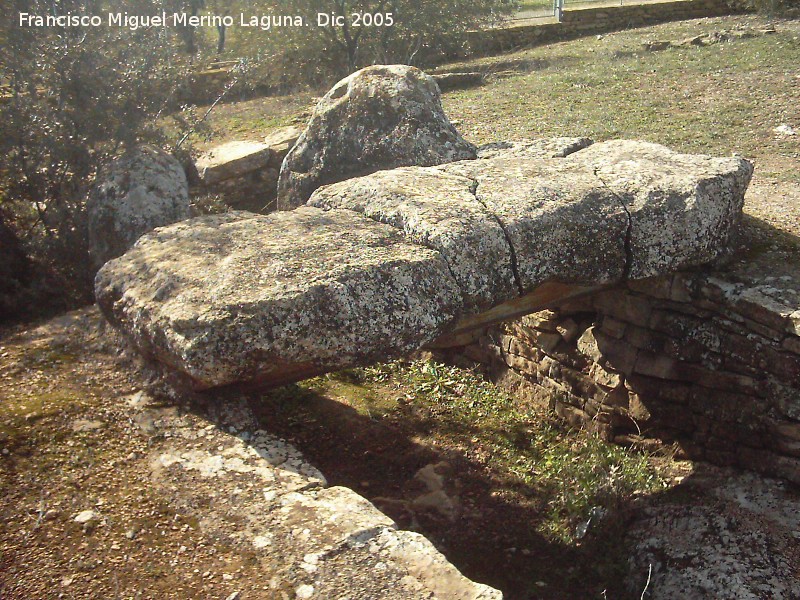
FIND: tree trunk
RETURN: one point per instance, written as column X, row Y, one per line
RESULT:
column 220, row 39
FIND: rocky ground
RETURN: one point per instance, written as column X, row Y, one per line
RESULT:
column 109, row 492
column 719, row 534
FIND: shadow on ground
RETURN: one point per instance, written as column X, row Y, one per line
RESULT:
column 489, row 535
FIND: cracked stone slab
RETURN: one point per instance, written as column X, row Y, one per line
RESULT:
column 561, row 222
column 398, row 259
column 439, row 211
column 609, row 210
column 276, row 298
column 683, row 207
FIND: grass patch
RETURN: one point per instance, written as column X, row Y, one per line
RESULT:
column 252, row 119
column 525, row 482
column 528, row 451
column 719, row 99
column 19, row 412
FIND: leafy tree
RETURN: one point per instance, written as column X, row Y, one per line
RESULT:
column 416, row 32
column 72, row 98
column 188, row 32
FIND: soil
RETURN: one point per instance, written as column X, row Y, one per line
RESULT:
column 75, row 437
column 70, row 445
column 73, row 440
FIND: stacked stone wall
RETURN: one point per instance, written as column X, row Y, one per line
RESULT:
column 588, row 21
column 708, row 362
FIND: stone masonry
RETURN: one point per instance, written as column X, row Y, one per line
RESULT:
column 710, row 360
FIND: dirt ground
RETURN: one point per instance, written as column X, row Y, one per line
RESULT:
column 86, row 512
column 70, row 445
column 74, row 440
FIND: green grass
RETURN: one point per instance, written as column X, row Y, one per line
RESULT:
column 718, row 99
column 253, row 119
column 531, row 452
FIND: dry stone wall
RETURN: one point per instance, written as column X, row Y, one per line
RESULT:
column 588, row 21
column 710, row 360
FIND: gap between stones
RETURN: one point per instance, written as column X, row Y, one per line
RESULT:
column 628, row 230
column 473, row 189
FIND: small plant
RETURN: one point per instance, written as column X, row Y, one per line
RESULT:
column 528, row 450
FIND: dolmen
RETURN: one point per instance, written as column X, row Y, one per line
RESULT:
column 399, row 258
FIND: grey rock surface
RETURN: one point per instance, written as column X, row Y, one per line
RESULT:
column 683, row 207
column 380, row 117
column 315, row 541
column 383, row 264
column 440, row 211
column 144, row 189
column 233, row 159
column 277, row 298
column 561, row 222
column 607, row 211
column 729, row 535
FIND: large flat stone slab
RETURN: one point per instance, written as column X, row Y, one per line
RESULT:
column 387, row 263
column 561, row 221
column 683, row 207
column 608, row 211
column 439, row 211
column 277, row 298
column 233, row 159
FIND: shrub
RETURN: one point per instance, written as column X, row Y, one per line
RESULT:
column 72, row 98
column 421, row 32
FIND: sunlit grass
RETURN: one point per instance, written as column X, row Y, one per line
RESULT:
column 528, row 450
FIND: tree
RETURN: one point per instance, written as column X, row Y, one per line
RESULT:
column 188, row 32
column 368, row 32
column 73, row 97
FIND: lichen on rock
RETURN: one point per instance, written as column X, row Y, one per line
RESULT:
column 380, row 117
column 242, row 297
column 144, row 189
column 384, row 264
